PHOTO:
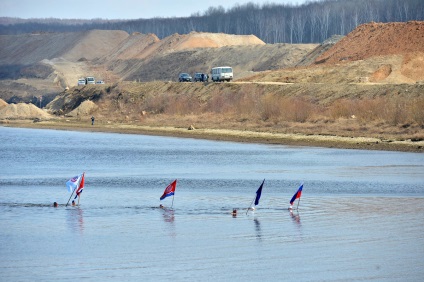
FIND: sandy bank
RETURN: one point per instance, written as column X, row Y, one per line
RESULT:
column 327, row 141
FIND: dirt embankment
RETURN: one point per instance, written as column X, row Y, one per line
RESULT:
column 114, row 56
column 198, row 52
column 223, row 110
column 377, row 39
column 2, row 104
column 23, row 111
column 29, row 49
column 372, row 53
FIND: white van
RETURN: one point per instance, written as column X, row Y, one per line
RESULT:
column 222, row 74
column 90, row 80
column 81, row 81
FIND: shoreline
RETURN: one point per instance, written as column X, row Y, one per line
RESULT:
column 325, row 141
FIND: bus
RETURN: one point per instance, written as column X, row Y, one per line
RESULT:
column 90, row 80
column 222, row 74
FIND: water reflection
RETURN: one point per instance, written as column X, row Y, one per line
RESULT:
column 169, row 218
column 168, row 215
column 295, row 216
column 258, row 229
column 76, row 219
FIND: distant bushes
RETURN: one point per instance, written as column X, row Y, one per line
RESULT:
column 391, row 110
column 254, row 105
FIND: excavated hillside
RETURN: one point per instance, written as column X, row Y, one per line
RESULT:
column 372, row 53
column 166, row 66
column 132, row 47
column 30, row 49
column 45, row 64
column 377, row 39
column 199, row 52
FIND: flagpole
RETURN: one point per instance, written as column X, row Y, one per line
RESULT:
column 70, row 196
column 79, row 195
column 299, row 198
column 250, row 205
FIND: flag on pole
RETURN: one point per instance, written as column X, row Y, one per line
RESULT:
column 72, row 183
column 80, row 186
column 169, row 190
column 258, row 193
column 296, row 195
column 256, row 200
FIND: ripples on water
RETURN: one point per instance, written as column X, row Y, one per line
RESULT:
column 360, row 217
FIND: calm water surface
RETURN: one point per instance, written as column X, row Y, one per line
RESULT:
column 360, row 217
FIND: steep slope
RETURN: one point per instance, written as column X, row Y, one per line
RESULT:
column 377, row 39
column 319, row 50
column 57, row 59
column 3, row 103
column 95, row 44
column 372, row 53
column 131, row 48
column 245, row 61
column 199, row 52
column 29, row 49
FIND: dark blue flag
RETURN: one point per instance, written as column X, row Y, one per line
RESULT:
column 258, row 193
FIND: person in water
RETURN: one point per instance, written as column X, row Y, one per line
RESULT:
column 161, row 207
column 73, row 203
column 234, row 212
column 55, row 204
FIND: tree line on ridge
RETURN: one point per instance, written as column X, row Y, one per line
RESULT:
column 312, row 22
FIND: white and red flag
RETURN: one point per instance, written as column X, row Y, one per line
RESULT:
column 74, row 182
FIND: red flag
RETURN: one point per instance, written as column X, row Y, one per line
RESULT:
column 80, row 186
column 169, row 190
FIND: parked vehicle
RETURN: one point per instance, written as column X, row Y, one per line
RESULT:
column 222, row 74
column 81, row 81
column 184, row 77
column 199, row 76
column 90, row 80
column 100, row 82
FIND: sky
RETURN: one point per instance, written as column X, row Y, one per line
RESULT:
column 117, row 9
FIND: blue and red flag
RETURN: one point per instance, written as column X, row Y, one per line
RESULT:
column 169, row 190
column 296, row 195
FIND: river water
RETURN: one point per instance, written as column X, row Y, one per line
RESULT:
column 360, row 216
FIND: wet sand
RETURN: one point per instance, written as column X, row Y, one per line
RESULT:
column 328, row 141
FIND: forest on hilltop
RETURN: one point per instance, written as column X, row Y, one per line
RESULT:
column 312, row 22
